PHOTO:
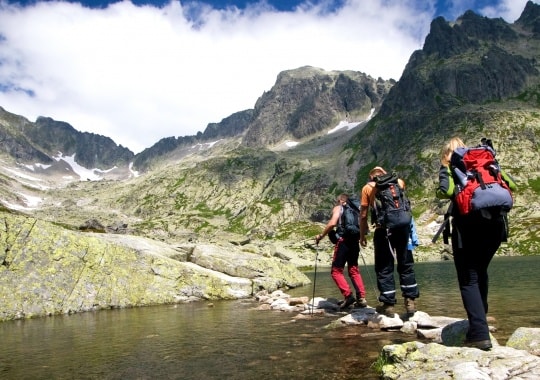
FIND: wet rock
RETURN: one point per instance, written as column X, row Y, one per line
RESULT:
column 442, row 357
column 526, row 339
column 416, row 360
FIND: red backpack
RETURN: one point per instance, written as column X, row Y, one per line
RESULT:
column 478, row 180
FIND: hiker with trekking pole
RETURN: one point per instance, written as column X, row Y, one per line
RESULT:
column 481, row 196
column 391, row 217
column 345, row 221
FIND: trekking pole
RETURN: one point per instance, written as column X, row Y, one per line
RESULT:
column 314, row 278
column 369, row 275
column 440, row 230
column 443, row 224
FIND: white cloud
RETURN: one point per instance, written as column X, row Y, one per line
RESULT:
column 138, row 74
column 510, row 10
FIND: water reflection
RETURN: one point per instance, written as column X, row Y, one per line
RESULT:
column 231, row 340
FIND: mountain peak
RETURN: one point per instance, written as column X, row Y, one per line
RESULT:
column 306, row 101
column 530, row 18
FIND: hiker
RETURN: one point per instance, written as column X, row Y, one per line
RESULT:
column 346, row 251
column 389, row 244
column 475, row 238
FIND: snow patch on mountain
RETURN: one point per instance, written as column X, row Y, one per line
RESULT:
column 29, row 202
column 33, row 167
column 348, row 125
column 207, row 145
column 22, row 175
column 133, row 173
column 83, row 173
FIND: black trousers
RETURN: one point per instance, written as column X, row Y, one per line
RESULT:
column 384, row 243
column 475, row 240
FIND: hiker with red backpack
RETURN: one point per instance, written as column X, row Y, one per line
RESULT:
column 384, row 195
column 481, row 196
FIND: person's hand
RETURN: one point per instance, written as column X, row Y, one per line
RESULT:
column 318, row 239
column 363, row 241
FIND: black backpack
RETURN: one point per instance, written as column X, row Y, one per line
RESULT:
column 348, row 221
column 392, row 207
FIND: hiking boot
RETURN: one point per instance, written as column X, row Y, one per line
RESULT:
column 484, row 345
column 386, row 309
column 361, row 302
column 410, row 306
column 348, row 301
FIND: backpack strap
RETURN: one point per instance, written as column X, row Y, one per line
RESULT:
column 479, row 179
column 352, row 205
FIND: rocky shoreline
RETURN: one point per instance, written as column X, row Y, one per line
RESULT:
column 48, row 270
column 435, row 347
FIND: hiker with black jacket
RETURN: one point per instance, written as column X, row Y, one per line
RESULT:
column 390, row 243
column 346, row 251
column 475, row 238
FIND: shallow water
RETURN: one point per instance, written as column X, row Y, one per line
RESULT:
column 231, row 340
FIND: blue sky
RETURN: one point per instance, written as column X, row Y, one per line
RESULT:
column 141, row 71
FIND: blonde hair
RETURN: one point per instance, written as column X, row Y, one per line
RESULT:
column 448, row 148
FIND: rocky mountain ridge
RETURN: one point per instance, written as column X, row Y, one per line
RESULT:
column 306, row 101
column 29, row 142
column 476, row 77
column 302, row 104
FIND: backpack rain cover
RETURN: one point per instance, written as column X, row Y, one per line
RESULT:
column 478, row 180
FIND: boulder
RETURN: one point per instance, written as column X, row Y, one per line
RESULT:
column 268, row 273
column 46, row 269
column 416, row 360
column 526, row 339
